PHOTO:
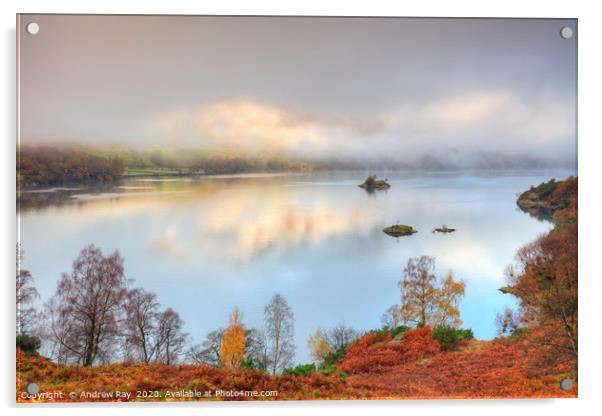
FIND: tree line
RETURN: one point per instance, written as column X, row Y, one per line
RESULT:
column 269, row 349
column 51, row 165
column 97, row 317
column 47, row 165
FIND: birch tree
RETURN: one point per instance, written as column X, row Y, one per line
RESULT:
column 86, row 307
column 427, row 301
column 279, row 328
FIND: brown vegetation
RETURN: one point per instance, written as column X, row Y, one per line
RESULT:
column 545, row 277
column 380, row 368
column 54, row 166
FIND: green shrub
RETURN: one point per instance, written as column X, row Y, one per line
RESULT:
column 399, row 330
column 300, row 370
column 449, row 337
column 385, row 330
column 335, row 356
column 562, row 204
column 545, row 189
column 251, row 364
column 28, row 343
column 331, row 369
column 519, row 332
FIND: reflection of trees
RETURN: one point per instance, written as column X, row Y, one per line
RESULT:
column 53, row 197
column 539, row 213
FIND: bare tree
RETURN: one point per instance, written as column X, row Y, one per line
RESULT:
column 170, row 339
column 256, row 349
column 140, row 326
column 341, row 335
column 26, row 295
column 392, row 316
column 86, row 307
column 507, row 323
column 279, row 326
column 208, row 351
column 60, row 335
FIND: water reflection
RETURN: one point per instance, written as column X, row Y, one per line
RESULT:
column 206, row 244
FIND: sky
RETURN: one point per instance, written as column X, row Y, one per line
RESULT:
column 465, row 92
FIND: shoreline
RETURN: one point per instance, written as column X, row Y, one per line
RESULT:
column 481, row 172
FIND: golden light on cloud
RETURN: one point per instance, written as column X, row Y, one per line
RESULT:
column 473, row 121
column 253, row 127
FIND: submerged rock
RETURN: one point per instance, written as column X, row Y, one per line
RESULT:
column 372, row 183
column 399, row 230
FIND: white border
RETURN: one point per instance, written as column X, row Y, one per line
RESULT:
column 590, row 68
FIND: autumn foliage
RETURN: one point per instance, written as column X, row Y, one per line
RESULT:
column 374, row 353
column 380, row 368
column 545, row 278
column 492, row 369
column 318, row 345
column 45, row 165
column 232, row 349
column 424, row 299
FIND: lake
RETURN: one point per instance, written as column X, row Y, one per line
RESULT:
column 207, row 244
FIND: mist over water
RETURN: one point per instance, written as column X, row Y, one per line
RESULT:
column 403, row 92
column 207, row 244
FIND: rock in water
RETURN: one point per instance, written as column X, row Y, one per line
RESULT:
column 444, row 229
column 399, row 230
column 372, row 183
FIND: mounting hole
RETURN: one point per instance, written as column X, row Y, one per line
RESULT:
column 566, row 384
column 566, row 32
column 32, row 28
column 32, row 388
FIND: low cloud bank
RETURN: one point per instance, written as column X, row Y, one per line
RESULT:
column 473, row 129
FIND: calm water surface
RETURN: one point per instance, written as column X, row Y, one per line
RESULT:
column 207, row 244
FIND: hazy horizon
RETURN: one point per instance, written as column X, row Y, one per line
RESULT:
column 461, row 92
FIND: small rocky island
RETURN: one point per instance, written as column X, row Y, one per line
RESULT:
column 399, row 230
column 372, row 183
column 444, row 229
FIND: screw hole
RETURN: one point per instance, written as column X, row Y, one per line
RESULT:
column 32, row 28
column 566, row 32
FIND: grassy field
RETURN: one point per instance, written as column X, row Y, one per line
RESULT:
column 157, row 171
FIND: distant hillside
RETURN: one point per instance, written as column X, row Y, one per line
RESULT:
column 46, row 165
column 59, row 165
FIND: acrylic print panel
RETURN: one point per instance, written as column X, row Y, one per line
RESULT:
column 295, row 208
